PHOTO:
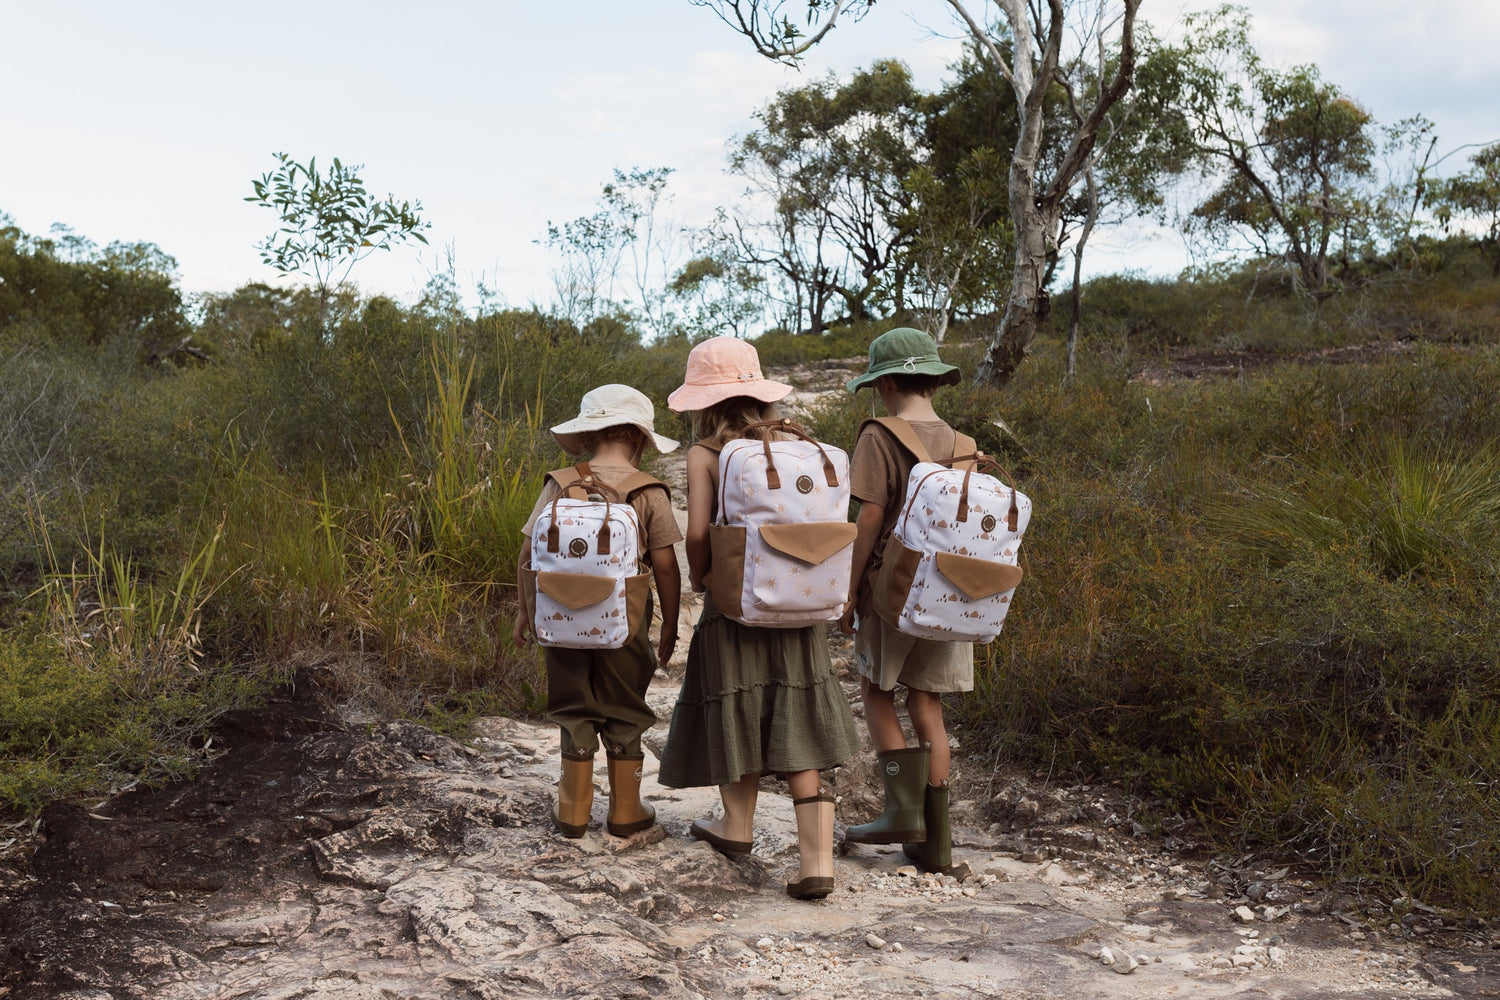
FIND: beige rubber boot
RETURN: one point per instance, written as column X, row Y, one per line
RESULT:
column 734, row 833
column 575, row 796
column 815, row 845
column 627, row 813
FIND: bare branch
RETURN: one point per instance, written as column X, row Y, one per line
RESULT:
column 772, row 33
column 982, row 38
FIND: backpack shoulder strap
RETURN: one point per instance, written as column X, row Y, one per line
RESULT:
column 902, row 431
column 572, row 474
column 965, row 445
column 637, row 481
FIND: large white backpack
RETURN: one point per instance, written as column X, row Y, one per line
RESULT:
column 586, row 583
column 782, row 544
column 949, row 569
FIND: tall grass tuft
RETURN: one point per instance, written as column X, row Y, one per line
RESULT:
column 1406, row 507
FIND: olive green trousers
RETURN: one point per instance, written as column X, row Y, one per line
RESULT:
column 595, row 694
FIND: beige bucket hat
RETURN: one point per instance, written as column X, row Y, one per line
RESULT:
column 610, row 406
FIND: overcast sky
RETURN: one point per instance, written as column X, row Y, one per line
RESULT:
column 147, row 120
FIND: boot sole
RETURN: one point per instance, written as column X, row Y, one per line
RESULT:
column 569, row 830
column 812, row 887
column 886, row 837
column 626, row 829
column 717, row 842
column 913, row 853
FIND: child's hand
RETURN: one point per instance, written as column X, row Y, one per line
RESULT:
column 846, row 620
column 667, row 644
column 520, row 631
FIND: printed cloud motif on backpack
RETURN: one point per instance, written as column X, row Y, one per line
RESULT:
column 586, row 580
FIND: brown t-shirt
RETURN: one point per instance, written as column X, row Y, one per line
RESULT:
column 653, row 507
column 878, row 472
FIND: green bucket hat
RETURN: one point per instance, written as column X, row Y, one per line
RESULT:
column 904, row 351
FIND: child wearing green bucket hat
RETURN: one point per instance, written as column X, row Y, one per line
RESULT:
column 905, row 372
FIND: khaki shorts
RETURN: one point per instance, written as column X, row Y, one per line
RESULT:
column 886, row 657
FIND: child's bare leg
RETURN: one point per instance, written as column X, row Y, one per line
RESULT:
column 926, row 711
column 880, row 717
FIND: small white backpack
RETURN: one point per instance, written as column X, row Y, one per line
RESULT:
column 782, row 544
column 949, row 569
column 586, row 585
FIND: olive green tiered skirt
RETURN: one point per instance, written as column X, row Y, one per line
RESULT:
column 755, row 701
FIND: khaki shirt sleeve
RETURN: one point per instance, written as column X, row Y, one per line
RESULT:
column 873, row 468
column 655, row 508
column 550, row 490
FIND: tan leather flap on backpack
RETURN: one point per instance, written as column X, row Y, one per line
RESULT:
column 575, row 590
column 812, row 542
column 977, row 578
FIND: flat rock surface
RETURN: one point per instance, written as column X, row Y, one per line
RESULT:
column 320, row 859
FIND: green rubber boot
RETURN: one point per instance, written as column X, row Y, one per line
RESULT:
column 905, row 775
column 935, row 854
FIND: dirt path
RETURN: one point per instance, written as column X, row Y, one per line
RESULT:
column 331, row 859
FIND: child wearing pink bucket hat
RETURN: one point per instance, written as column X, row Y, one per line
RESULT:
column 595, row 694
column 754, row 700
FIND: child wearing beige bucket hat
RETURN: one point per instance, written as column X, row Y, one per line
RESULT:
column 754, row 700
column 601, row 693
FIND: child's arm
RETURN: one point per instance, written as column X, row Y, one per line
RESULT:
column 669, row 591
column 702, row 465
column 520, row 632
column 867, row 532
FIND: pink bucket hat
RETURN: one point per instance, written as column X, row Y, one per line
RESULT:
column 721, row 368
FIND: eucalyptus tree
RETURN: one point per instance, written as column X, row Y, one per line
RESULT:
column 1289, row 154
column 1025, row 43
column 1475, row 195
column 329, row 223
column 828, row 160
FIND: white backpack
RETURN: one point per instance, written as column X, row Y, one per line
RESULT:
column 585, row 583
column 949, row 569
column 782, row 544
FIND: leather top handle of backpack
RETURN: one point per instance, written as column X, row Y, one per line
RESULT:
column 586, row 485
column 981, row 460
column 978, row 460
column 789, row 426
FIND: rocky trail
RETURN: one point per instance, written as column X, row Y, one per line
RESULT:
column 324, row 856
column 320, row 858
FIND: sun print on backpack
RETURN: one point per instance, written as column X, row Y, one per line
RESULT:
column 782, row 542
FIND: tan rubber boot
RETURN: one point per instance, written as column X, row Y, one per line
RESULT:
column 735, row 832
column 627, row 813
column 815, row 845
column 575, row 796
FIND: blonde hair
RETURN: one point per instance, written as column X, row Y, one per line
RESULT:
column 726, row 420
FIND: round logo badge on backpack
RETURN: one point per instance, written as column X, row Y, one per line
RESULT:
column 988, row 524
column 578, row 548
column 804, row 484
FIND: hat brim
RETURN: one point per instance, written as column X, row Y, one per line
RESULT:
column 687, row 398
column 570, row 434
column 948, row 374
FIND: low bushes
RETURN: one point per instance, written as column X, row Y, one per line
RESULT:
column 1268, row 600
